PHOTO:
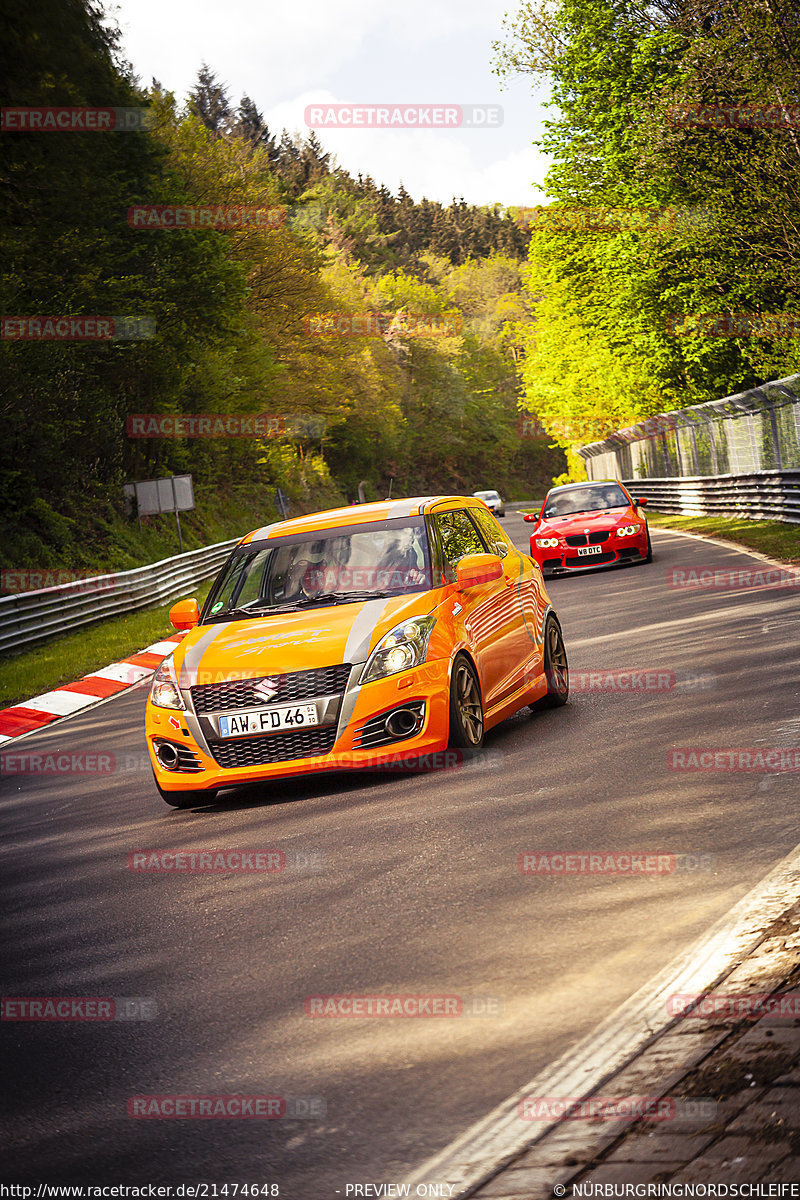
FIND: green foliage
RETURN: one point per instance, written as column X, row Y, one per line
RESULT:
column 600, row 354
column 230, row 312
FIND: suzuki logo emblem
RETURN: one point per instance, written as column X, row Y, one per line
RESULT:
column 267, row 688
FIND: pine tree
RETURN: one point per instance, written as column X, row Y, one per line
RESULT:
column 209, row 101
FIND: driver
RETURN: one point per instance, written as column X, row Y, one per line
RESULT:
column 400, row 561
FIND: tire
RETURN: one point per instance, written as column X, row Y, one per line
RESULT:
column 649, row 557
column 466, row 706
column 556, row 667
column 186, row 797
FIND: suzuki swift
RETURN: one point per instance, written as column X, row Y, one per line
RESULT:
column 354, row 638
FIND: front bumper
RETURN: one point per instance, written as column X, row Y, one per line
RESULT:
column 333, row 746
column 617, row 552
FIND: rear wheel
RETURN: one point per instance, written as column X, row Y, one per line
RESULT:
column 466, row 706
column 186, row 797
column 556, row 668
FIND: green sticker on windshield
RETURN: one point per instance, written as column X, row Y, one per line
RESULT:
column 217, row 606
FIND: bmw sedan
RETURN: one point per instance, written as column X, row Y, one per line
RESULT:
column 585, row 525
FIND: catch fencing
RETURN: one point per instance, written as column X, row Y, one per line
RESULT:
column 735, row 456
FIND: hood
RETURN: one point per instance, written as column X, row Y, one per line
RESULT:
column 609, row 518
column 295, row 641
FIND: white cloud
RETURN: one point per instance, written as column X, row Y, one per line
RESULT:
column 286, row 55
column 434, row 163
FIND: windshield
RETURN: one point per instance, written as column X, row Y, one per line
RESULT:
column 486, row 495
column 341, row 565
column 588, row 499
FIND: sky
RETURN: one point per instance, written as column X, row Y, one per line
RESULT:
column 288, row 56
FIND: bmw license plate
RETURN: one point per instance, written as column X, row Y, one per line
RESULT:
column 585, row 551
column 268, row 720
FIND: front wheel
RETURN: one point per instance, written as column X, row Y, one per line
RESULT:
column 556, row 668
column 184, row 798
column 466, row 706
column 649, row 557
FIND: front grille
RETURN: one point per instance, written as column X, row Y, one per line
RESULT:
column 594, row 539
column 550, row 564
column 279, row 747
column 591, row 559
column 298, row 685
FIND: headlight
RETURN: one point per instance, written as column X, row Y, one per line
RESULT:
column 164, row 690
column 544, row 543
column 628, row 530
column 402, row 647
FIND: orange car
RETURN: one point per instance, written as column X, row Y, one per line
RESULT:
column 353, row 638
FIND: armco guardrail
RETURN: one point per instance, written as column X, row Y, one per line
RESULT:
column 764, row 495
column 30, row 617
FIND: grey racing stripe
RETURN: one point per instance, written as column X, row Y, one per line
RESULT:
column 264, row 532
column 358, row 639
column 188, row 672
column 401, row 508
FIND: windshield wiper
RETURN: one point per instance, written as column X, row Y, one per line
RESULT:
column 341, row 597
column 233, row 614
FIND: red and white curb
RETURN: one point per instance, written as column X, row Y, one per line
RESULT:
column 91, row 689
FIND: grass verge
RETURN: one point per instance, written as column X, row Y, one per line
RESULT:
column 777, row 539
column 67, row 658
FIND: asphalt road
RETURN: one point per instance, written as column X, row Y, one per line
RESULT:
column 413, row 887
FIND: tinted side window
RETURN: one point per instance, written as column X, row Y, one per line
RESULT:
column 458, row 536
column 493, row 534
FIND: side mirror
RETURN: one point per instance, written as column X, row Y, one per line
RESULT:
column 478, row 568
column 640, row 503
column 530, row 517
column 184, row 615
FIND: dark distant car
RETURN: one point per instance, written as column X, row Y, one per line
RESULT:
column 493, row 501
column 587, row 525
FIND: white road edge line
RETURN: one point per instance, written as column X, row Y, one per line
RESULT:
column 501, row 1136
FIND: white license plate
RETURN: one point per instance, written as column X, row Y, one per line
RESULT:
column 268, row 720
column 585, row 551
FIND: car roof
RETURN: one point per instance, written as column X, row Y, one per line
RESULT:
column 567, row 487
column 355, row 514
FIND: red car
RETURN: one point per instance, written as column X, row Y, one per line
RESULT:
column 588, row 525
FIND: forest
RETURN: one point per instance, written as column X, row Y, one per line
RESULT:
column 377, row 339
